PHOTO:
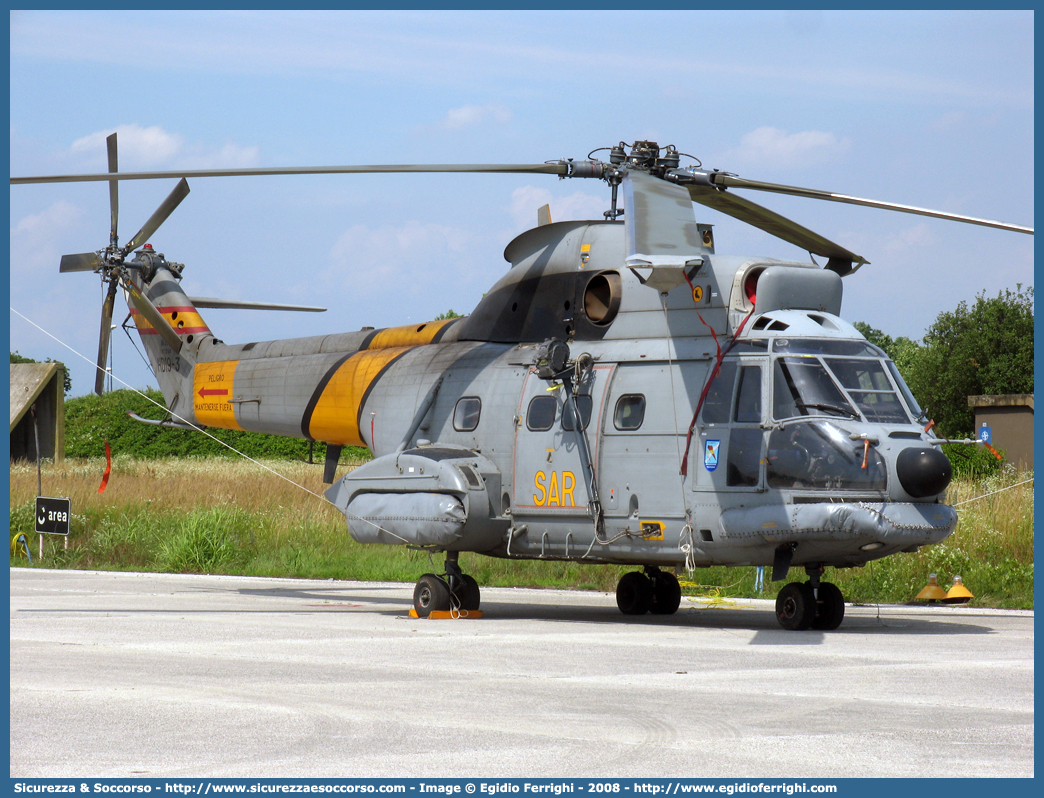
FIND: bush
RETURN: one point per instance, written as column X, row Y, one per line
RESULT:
column 91, row 420
column 972, row 460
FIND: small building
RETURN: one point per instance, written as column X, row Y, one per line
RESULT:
column 1009, row 419
column 37, row 408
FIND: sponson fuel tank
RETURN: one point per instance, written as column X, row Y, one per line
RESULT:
column 444, row 496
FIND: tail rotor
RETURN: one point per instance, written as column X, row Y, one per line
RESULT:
column 111, row 264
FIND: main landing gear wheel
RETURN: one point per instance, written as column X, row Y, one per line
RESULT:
column 830, row 607
column 666, row 593
column 796, row 606
column 465, row 592
column 431, row 594
column 634, row 593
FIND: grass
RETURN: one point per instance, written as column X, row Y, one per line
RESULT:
column 213, row 515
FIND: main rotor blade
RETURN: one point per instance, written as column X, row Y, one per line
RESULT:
column 83, row 262
column 114, row 188
column 557, row 168
column 172, row 201
column 811, row 193
column 772, row 222
column 155, row 318
column 103, row 337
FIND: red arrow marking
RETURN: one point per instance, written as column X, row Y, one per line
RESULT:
column 205, row 392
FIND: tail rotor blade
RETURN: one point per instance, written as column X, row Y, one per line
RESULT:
column 172, row 201
column 84, row 262
column 103, row 338
column 114, row 188
column 155, row 318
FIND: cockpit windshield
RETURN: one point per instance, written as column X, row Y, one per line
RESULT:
column 867, row 383
column 822, row 383
column 803, row 387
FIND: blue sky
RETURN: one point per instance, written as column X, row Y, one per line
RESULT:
column 933, row 109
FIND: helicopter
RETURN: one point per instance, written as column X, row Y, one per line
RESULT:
column 623, row 394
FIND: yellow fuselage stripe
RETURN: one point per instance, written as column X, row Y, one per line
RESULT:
column 410, row 335
column 335, row 418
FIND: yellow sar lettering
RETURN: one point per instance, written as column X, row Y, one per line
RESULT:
column 552, row 491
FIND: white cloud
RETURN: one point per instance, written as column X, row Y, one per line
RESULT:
column 58, row 216
column 917, row 237
column 526, row 200
column 403, row 259
column 230, row 156
column 772, row 147
column 472, row 115
column 37, row 241
column 153, row 147
column 140, row 146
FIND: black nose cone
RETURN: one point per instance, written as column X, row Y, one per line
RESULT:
column 923, row 472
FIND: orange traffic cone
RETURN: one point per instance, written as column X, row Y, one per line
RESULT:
column 958, row 593
column 932, row 591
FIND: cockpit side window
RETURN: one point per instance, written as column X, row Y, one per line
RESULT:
column 719, row 397
column 748, row 397
column 743, row 466
column 911, row 402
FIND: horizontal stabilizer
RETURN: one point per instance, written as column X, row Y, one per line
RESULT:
column 164, row 423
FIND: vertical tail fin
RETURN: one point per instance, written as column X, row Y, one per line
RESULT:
column 173, row 369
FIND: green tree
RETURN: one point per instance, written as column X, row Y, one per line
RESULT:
column 983, row 349
column 17, row 358
column 449, row 314
column 903, row 351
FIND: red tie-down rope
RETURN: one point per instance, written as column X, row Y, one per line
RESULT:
column 714, row 373
column 108, row 468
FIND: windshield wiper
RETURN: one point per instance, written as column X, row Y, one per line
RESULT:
column 836, row 408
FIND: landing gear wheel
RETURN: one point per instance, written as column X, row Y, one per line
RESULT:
column 430, row 595
column 634, row 593
column 796, row 606
column 666, row 593
column 466, row 595
column 830, row 607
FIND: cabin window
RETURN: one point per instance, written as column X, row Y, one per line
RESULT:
column 541, row 413
column 466, row 413
column 630, row 411
column 585, row 403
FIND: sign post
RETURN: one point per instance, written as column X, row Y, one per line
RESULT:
column 52, row 517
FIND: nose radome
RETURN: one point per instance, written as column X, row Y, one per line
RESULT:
column 923, row 472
